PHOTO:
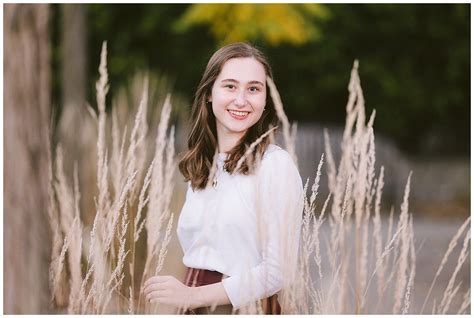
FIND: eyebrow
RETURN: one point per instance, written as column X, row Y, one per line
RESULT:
column 236, row 81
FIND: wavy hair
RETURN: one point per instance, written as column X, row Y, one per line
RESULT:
column 197, row 162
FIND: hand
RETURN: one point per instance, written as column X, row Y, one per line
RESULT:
column 170, row 291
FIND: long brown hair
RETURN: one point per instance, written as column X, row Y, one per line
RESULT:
column 197, row 162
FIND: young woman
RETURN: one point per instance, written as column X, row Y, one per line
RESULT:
column 240, row 224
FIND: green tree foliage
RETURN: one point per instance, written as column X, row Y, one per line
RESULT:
column 414, row 67
column 414, row 59
column 271, row 23
column 141, row 37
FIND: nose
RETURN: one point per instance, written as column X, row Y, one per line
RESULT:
column 240, row 99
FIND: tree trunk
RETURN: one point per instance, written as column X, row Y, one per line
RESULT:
column 76, row 128
column 73, row 55
column 27, row 87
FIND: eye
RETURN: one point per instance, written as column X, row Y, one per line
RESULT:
column 254, row 89
column 230, row 86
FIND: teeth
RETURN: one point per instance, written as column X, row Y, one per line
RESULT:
column 238, row 113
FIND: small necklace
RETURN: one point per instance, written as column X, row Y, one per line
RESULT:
column 219, row 170
column 214, row 182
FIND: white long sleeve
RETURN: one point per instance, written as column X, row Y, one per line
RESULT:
column 279, row 213
column 248, row 228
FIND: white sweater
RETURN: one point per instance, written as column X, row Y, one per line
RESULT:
column 247, row 228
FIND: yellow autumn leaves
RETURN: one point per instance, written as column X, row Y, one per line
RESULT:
column 273, row 23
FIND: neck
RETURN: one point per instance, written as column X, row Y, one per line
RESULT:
column 227, row 141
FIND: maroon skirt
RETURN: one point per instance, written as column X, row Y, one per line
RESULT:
column 201, row 277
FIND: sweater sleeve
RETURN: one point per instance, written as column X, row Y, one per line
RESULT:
column 279, row 215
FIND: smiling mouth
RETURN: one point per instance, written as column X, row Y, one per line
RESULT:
column 238, row 114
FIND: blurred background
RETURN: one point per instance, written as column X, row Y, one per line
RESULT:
column 414, row 62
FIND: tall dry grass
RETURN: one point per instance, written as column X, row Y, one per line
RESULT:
column 348, row 261
column 131, row 194
column 366, row 271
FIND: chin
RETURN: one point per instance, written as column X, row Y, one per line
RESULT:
column 238, row 130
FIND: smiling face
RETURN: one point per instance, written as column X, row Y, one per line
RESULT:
column 238, row 97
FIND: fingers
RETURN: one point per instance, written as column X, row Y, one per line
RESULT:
column 154, row 287
column 160, row 288
column 155, row 295
column 156, row 283
column 153, row 281
column 156, row 279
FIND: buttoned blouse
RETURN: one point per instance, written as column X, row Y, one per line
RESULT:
column 247, row 227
